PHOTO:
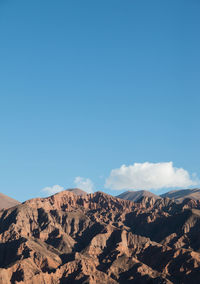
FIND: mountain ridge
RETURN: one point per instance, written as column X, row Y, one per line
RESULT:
column 136, row 195
column 180, row 194
column 96, row 238
column 7, row 202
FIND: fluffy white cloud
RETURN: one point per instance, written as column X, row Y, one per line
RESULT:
column 54, row 189
column 84, row 183
column 147, row 175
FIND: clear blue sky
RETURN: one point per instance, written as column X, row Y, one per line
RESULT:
column 86, row 86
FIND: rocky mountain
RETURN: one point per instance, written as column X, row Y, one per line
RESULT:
column 77, row 191
column 97, row 238
column 7, row 202
column 137, row 195
column 180, row 195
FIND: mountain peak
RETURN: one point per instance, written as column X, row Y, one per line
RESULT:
column 7, row 202
column 137, row 195
column 77, row 191
column 180, row 194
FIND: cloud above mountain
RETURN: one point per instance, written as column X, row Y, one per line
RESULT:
column 148, row 175
column 53, row 189
column 84, row 183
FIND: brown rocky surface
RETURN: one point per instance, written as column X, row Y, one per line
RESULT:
column 97, row 238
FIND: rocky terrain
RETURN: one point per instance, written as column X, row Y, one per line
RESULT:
column 98, row 238
column 7, row 202
column 137, row 195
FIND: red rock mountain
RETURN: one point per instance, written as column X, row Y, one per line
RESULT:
column 97, row 238
column 7, row 202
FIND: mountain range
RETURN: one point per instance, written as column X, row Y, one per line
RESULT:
column 74, row 237
column 177, row 195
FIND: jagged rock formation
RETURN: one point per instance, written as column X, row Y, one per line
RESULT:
column 181, row 194
column 7, row 202
column 137, row 195
column 97, row 238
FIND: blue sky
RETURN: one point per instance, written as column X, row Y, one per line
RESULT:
column 89, row 86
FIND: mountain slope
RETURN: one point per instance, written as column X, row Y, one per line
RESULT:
column 137, row 195
column 97, row 238
column 180, row 195
column 77, row 191
column 7, row 202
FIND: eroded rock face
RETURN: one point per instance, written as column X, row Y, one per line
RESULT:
column 97, row 238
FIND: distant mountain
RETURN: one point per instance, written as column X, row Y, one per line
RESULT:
column 77, row 191
column 180, row 195
column 7, row 202
column 137, row 195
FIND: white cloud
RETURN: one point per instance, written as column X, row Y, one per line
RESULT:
column 84, row 183
column 147, row 176
column 54, row 189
